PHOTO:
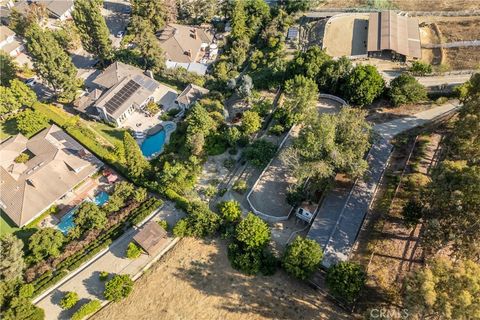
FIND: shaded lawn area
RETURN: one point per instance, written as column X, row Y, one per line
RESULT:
column 113, row 135
column 6, row 224
column 8, row 128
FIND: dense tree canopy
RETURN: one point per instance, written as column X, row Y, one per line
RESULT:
column 90, row 216
column 406, row 89
column 260, row 152
column 148, row 44
column 16, row 95
column 8, row 67
column 11, row 257
column 30, row 122
column 333, row 75
column 445, row 289
column 301, row 94
column 453, row 212
column 465, row 141
column 345, row 280
column 302, row 257
column 93, row 29
column 363, row 85
column 331, row 143
column 157, row 12
column 252, row 232
column 22, row 309
column 251, row 122
column 46, row 243
column 308, row 63
column 51, row 62
column 135, row 162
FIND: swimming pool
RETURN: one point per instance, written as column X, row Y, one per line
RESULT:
column 154, row 144
column 67, row 223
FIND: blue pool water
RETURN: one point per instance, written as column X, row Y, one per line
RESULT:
column 153, row 144
column 101, row 198
column 66, row 223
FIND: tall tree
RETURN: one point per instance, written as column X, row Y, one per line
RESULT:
column 11, row 257
column 445, row 290
column 251, row 122
column 345, row 280
column 301, row 94
column 90, row 216
column 239, row 20
column 136, row 163
column 302, row 257
column 51, row 62
column 333, row 75
column 148, row 44
column 363, row 85
column 8, row 67
column 157, row 12
column 16, row 96
column 93, row 29
column 198, row 11
column 308, row 63
column 46, row 243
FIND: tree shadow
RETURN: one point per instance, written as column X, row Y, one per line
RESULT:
column 262, row 295
column 94, row 285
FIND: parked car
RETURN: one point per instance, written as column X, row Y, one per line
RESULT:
column 31, row 82
column 120, row 34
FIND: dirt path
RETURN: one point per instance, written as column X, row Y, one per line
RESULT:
column 195, row 281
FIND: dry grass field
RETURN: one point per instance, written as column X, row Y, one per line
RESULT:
column 410, row 5
column 463, row 58
column 468, row 29
column 195, row 281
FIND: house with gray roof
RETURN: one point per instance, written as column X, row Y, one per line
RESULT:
column 56, row 9
column 189, row 47
column 9, row 42
column 36, row 172
column 191, row 94
column 120, row 90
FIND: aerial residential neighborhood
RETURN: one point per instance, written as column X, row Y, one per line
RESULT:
column 240, row 159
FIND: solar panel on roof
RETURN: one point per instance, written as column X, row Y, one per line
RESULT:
column 121, row 96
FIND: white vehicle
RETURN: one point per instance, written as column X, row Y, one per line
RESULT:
column 120, row 34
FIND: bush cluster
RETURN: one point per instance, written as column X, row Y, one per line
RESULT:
column 87, row 309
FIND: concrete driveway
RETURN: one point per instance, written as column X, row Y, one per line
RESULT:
column 87, row 283
column 117, row 16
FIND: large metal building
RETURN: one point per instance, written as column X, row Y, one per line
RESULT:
column 393, row 36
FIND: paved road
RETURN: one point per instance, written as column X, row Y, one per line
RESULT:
column 341, row 215
column 87, row 284
column 434, row 81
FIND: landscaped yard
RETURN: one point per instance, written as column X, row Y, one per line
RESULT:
column 6, row 225
column 8, row 128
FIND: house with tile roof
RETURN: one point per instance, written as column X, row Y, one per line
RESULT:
column 36, row 172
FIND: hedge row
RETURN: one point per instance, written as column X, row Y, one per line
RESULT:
column 87, row 309
column 180, row 202
column 48, row 279
column 145, row 210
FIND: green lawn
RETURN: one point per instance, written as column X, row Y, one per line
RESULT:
column 113, row 135
column 6, row 225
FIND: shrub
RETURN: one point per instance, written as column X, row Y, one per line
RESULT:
column 252, row 232
column 69, row 300
column 240, row 186
column 26, row 290
column 210, row 191
column 164, row 224
column 420, row 68
column 118, row 287
column 103, row 276
column 87, row 309
column 302, row 257
column 229, row 163
column 260, row 152
column 277, row 129
column 200, row 222
column 133, row 251
column 441, row 100
column 230, row 211
column 412, row 212
column 406, row 89
column 345, row 280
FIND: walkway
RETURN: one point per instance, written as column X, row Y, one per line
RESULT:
column 87, row 283
column 341, row 215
